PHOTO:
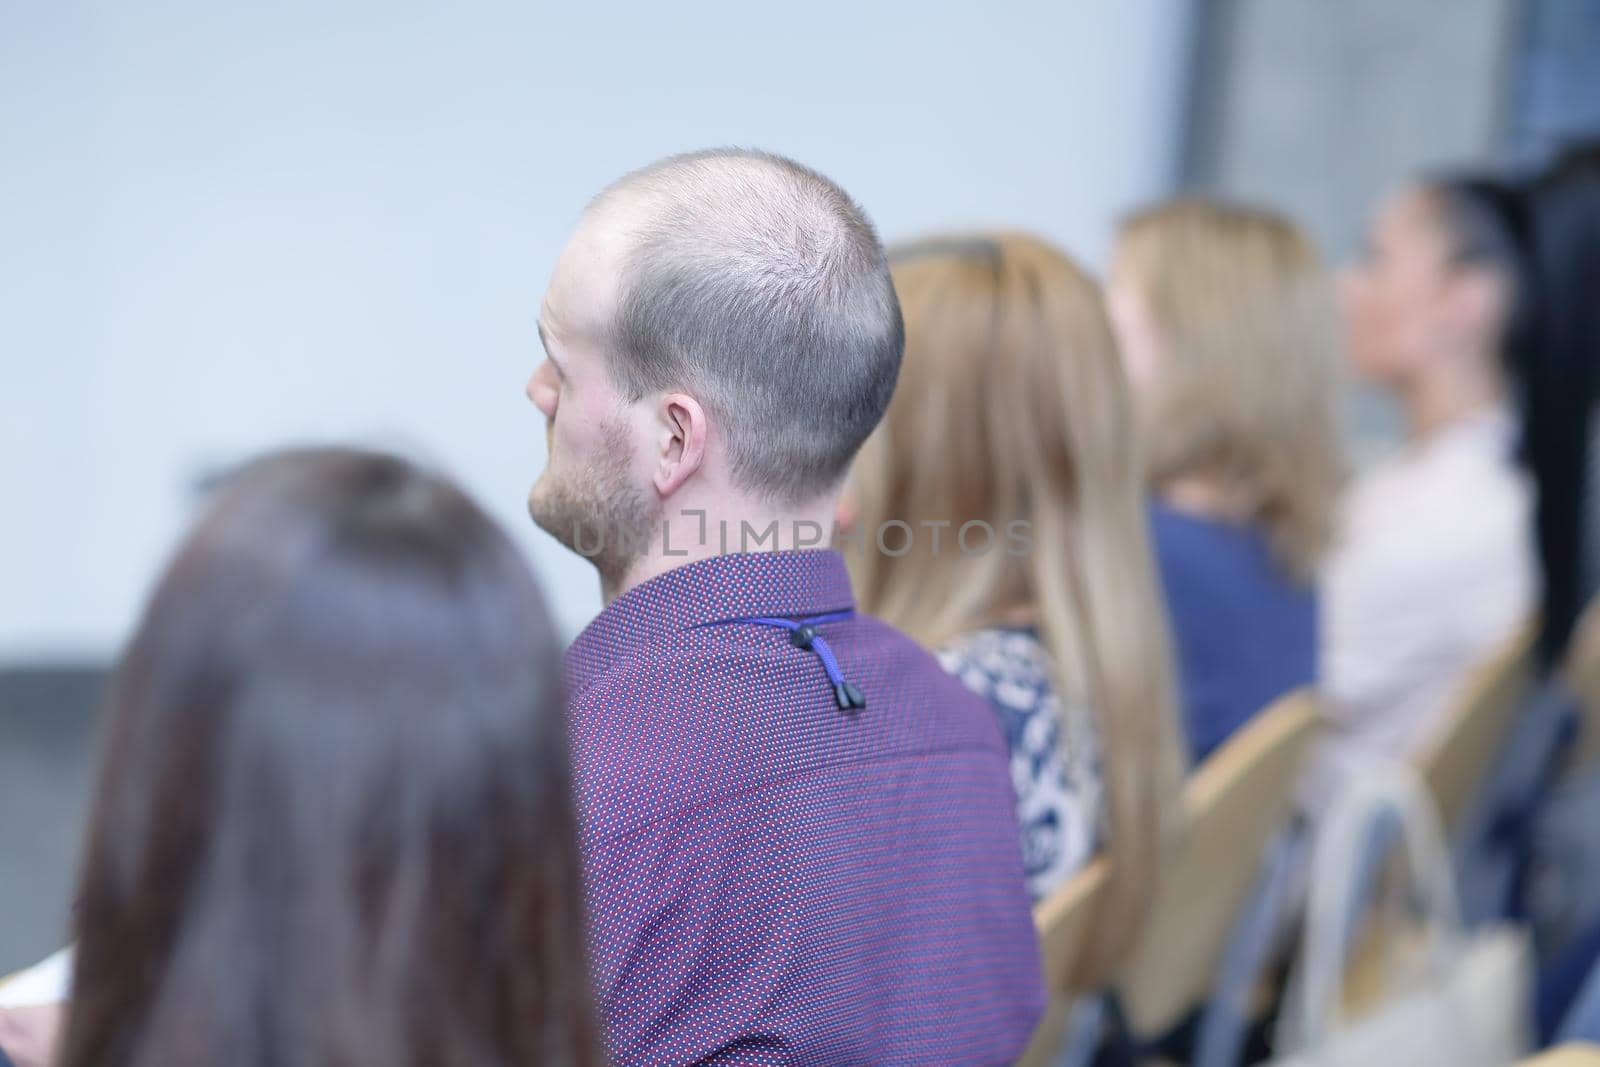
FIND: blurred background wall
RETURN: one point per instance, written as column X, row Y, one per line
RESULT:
column 224, row 229
column 230, row 227
column 1318, row 109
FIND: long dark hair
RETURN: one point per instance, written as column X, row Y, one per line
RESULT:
column 1543, row 237
column 334, row 822
column 1485, row 220
column 1561, row 375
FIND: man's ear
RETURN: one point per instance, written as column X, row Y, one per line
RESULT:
column 682, row 442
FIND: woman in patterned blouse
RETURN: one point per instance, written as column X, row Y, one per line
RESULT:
column 1000, row 520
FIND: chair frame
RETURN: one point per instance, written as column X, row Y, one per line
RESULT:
column 1233, row 806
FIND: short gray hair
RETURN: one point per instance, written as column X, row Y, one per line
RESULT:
column 761, row 287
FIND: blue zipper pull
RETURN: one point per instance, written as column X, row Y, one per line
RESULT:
column 848, row 697
column 803, row 635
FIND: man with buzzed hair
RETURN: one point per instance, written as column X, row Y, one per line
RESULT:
column 798, row 832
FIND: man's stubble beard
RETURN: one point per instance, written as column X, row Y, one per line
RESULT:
column 597, row 511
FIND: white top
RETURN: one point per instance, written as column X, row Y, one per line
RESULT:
column 47, row 982
column 1433, row 570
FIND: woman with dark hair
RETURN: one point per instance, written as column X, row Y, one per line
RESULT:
column 1558, row 371
column 1541, row 240
column 1433, row 566
column 333, row 822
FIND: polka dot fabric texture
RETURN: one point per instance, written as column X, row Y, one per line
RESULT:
column 772, row 880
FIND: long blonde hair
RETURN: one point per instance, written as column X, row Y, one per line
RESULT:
column 1245, row 394
column 1011, row 406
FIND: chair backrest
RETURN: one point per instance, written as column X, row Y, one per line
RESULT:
column 1233, row 804
column 1456, row 760
column 1576, row 1054
column 1063, row 921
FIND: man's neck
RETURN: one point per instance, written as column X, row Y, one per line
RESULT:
column 1441, row 399
column 689, row 533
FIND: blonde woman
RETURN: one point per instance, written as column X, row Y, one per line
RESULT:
column 1006, row 478
column 1225, row 319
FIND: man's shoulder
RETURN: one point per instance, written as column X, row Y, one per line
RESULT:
column 919, row 682
column 745, row 701
column 694, row 665
column 649, row 667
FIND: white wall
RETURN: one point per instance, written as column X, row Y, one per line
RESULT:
column 224, row 227
column 1320, row 109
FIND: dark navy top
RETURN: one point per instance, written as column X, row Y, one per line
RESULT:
column 1244, row 631
column 771, row 879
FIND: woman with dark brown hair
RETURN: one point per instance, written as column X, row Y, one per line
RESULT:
column 334, row 823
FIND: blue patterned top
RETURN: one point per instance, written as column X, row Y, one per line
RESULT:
column 1055, row 767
